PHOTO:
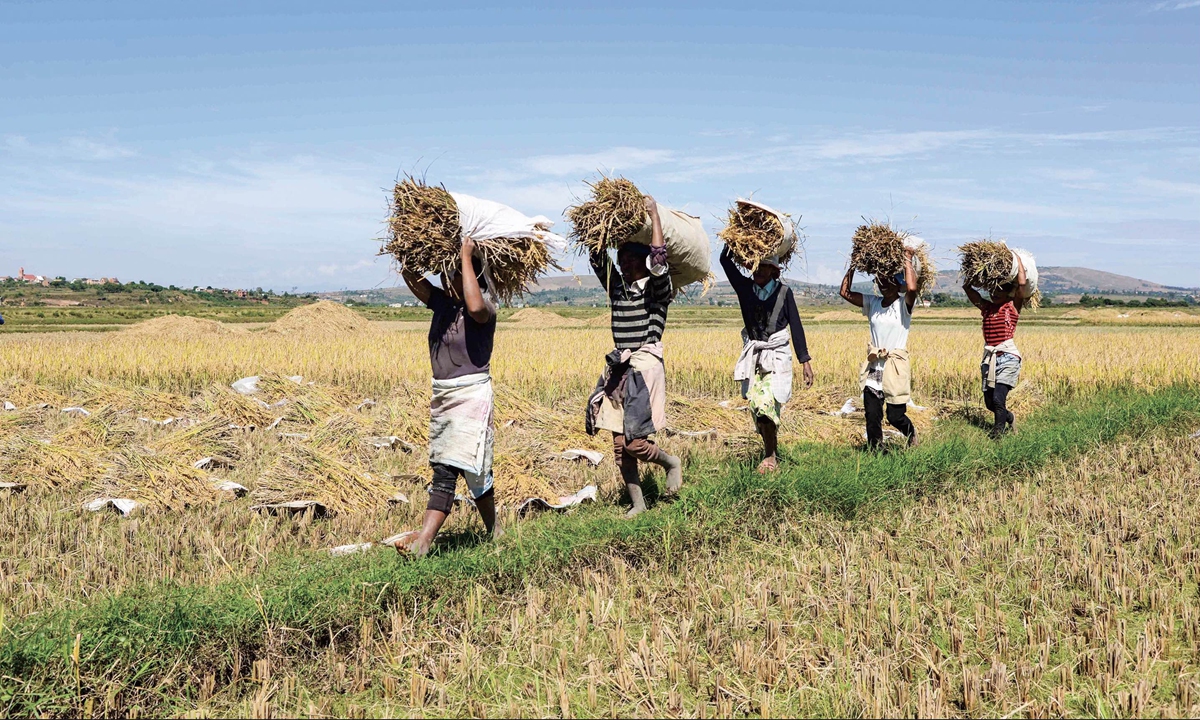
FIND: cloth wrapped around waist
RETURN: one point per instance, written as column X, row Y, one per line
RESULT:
column 1008, row 347
column 771, row 357
column 631, row 395
column 460, row 423
column 897, row 373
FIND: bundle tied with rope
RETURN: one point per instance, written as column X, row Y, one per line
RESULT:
column 991, row 265
column 755, row 232
column 426, row 225
column 879, row 250
column 615, row 214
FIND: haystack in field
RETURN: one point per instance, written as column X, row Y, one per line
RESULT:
column 426, row 225
column 535, row 318
column 879, row 250
column 156, row 481
column 755, row 232
column 323, row 317
column 178, row 327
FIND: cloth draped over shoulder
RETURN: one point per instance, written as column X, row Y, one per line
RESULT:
column 460, row 423
column 990, row 353
column 897, row 373
column 630, row 398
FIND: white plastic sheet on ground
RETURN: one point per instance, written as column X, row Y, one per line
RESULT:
column 246, row 386
column 76, row 411
column 590, row 456
column 9, row 406
column 587, row 494
column 13, row 487
column 124, row 506
column 236, row 489
column 354, row 549
column 848, row 408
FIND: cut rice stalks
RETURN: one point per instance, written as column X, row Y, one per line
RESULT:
column 615, row 213
column 157, row 481
column 302, row 473
column 986, row 264
column 878, row 250
column 424, row 236
column 753, row 235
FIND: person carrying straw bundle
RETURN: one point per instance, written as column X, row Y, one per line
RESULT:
column 770, row 319
column 461, row 335
column 1001, row 364
column 886, row 375
column 630, row 398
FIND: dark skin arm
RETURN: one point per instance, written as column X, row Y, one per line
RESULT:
column 973, row 295
column 472, row 295
column 417, row 285
column 1022, row 285
column 854, row 298
column 910, row 280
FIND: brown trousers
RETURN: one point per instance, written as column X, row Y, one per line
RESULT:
column 627, row 454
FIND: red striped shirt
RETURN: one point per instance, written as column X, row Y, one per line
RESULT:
column 999, row 322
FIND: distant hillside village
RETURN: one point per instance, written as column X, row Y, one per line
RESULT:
column 31, row 289
column 24, row 277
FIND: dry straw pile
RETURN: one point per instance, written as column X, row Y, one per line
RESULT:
column 424, row 235
column 323, row 317
column 179, row 327
column 988, row 264
column 879, row 250
column 613, row 215
column 754, row 234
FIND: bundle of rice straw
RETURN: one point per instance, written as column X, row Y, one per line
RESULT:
column 755, row 233
column 157, row 481
column 303, row 473
column 879, row 250
column 613, row 215
column 425, row 233
column 988, row 264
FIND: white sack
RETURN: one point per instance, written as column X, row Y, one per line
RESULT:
column 246, row 386
column 487, row 220
column 1031, row 271
column 688, row 251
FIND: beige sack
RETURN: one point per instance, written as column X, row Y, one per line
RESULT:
column 688, row 251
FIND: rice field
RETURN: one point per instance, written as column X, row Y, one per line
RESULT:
column 828, row 617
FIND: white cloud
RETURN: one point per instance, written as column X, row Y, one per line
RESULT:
column 1176, row 5
column 616, row 160
column 78, row 147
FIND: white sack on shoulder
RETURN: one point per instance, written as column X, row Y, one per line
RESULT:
column 689, row 253
column 789, row 226
column 487, row 220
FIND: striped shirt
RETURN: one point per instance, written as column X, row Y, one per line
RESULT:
column 999, row 322
column 639, row 310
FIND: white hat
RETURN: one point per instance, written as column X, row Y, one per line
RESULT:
column 773, row 261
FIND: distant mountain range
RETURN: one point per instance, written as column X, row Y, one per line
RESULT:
column 585, row 289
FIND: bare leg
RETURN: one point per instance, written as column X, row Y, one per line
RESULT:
column 486, row 504
column 434, row 519
column 770, row 436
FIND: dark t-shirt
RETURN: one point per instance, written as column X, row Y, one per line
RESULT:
column 457, row 344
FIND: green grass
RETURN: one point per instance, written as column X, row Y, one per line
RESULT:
column 144, row 637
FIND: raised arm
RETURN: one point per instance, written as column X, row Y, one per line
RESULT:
column 1019, row 297
column 973, row 295
column 421, row 288
column 910, row 279
column 606, row 272
column 854, row 298
column 479, row 310
column 737, row 280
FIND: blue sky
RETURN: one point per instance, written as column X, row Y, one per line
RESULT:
column 249, row 144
